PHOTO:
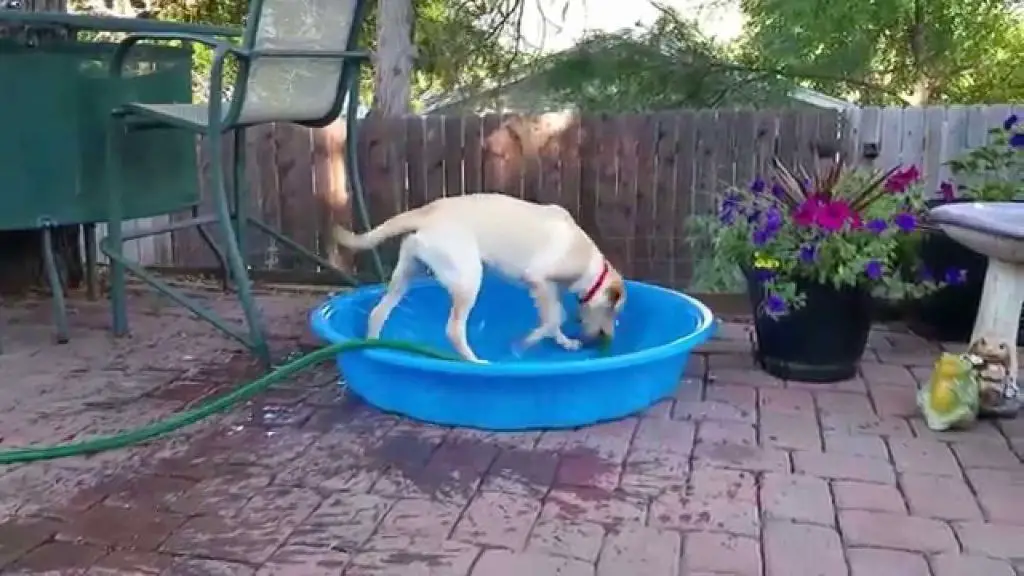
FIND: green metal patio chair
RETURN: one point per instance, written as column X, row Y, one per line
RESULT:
column 298, row 62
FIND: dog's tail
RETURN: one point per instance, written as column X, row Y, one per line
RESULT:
column 403, row 223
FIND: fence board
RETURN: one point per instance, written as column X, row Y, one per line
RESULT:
column 646, row 135
column 257, row 242
column 956, row 135
column 472, row 163
column 767, row 126
column 891, row 138
column 515, row 155
column 666, row 192
column 492, row 162
column 725, row 168
column 416, row 165
column 870, row 134
column 330, row 192
column 621, row 209
column 454, row 153
column 932, row 161
column 549, row 187
column 830, row 129
column 851, row 127
column 607, row 185
column 433, row 152
column 745, row 138
column 569, row 164
column 530, row 131
column 912, row 144
column 807, row 140
column 685, row 190
column 294, row 166
column 590, row 166
column 631, row 181
column 787, row 146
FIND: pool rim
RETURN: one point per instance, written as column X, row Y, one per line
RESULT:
column 320, row 324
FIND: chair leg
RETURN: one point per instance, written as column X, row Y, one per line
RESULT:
column 92, row 288
column 208, row 240
column 60, row 309
column 234, row 255
column 115, row 209
column 238, row 194
column 352, row 176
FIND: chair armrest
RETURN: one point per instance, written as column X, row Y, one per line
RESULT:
column 125, row 45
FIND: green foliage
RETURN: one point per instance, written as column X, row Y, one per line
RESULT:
column 995, row 171
column 844, row 228
column 892, row 51
column 669, row 65
column 459, row 44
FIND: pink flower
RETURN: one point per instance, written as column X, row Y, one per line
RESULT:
column 807, row 212
column 900, row 180
column 834, row 215
column 830, row 215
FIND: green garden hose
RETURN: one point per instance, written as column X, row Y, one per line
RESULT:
column 207, row 409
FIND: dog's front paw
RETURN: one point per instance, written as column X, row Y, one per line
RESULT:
column 570, row 344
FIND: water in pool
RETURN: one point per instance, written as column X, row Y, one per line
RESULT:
column 504, row 314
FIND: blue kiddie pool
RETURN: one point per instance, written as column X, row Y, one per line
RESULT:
column 541, row 387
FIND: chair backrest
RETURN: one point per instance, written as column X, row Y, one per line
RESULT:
column 294, row 89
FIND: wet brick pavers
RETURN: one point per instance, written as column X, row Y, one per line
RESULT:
column 740, row 474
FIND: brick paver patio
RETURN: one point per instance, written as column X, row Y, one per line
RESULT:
column 740, row 474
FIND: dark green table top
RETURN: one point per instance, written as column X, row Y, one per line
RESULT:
column 111, row 23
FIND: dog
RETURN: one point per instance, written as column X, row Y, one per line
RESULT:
column 538, row 244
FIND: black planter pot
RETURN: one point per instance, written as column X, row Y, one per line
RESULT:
column 948, row 314
column 887, row 311
column 822, row 341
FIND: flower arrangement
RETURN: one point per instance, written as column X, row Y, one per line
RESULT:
column 843, row 227
column 993, row 172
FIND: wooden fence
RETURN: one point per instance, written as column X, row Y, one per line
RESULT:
column 631, row 180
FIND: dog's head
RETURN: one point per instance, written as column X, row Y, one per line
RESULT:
column 599, row 312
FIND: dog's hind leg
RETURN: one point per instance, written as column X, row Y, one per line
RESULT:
column 462, row 305
column 404, row 270
column 452, row 255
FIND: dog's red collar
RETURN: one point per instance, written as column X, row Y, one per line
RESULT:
column 589, row 294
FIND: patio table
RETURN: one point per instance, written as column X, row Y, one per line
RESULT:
column 55, row 110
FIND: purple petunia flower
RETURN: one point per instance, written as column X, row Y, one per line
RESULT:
column 761, row 235
column 1010, row 122
column 1017, row 140
column 808, row 253
column 773, row 218
column 778, row 191
column 905, row 222
column 728, row 209
column 774, row 304
column 874, row 269
column 763, row 275
column 877, row 225
column 955, row 276
column 757, row 186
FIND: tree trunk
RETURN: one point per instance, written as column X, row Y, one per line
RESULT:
column 395, row 56
column 21, row 251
